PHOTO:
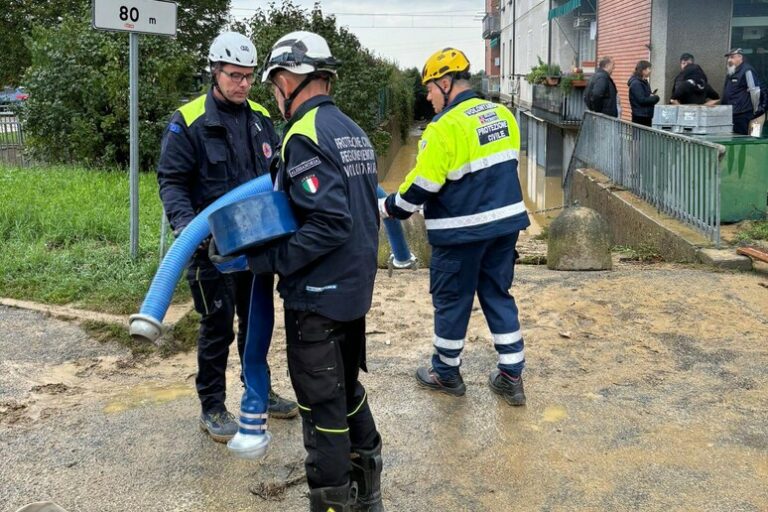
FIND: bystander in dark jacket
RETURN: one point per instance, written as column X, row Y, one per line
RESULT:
column 693, row 88
column 601, row 94
column 641, row 99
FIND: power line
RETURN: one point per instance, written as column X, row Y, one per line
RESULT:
column 421, row 13
column 374, row 25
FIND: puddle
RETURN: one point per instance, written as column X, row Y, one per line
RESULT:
column 554, row 413
column 147, row 395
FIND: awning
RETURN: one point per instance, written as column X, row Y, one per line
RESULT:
column 564, row 9
column 494, row 42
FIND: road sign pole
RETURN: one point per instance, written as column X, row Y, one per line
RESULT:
column 156, row 17
column 134, row 141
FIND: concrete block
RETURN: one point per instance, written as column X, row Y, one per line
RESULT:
column 725, row 258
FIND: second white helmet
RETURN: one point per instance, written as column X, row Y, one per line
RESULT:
column 301, row 53
column 233, row 48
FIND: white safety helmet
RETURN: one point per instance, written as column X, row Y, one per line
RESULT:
column 233, row 48
column 301, row 53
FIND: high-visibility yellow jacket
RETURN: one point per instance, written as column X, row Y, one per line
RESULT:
column 466, row 174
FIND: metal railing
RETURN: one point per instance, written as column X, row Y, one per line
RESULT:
column 552, row 104
column 491, row 26
column 11, row 140
column 678, row 175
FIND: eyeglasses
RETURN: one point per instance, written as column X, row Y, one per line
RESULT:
column 238, row 77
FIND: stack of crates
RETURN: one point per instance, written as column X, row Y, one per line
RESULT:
column 693, row 119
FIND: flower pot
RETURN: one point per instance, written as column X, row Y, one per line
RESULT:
column 579, row 84
column 552, row 80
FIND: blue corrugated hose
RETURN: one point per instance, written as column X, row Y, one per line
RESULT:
column 160, row 292
column 395, row 235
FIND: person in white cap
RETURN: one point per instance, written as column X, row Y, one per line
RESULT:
column 213, row 144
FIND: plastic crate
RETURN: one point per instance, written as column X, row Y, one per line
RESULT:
column 665, row 115
column 704, row 130
column 701, row 116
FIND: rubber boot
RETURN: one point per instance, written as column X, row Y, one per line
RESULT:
column 366, row 473
column 333, row 499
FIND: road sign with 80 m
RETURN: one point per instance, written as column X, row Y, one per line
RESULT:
column 142, row 16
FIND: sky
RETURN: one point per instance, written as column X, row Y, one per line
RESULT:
column 408, row 32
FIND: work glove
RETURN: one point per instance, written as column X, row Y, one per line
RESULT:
column 226, row 264
column 383, row 213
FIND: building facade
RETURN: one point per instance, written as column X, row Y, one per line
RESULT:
column 575, row 34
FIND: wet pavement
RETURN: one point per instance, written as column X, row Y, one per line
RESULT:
column 647, row 390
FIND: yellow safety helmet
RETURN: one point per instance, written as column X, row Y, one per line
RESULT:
column 447, row 60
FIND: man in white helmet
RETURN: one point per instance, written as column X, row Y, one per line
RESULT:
column 213, row 144
column 327, row 269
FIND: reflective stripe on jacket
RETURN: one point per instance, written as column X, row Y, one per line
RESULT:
column 466, row 174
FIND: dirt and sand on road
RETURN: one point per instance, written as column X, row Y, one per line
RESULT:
column 646, row 387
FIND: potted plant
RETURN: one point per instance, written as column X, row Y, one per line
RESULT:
column 544, row 73
column 570, row 81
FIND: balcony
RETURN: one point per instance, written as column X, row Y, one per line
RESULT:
column 554, row 106
column 491, row 26
column 491, row 87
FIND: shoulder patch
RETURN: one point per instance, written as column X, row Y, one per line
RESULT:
column 174, row 127
column 310, row 184
column 304, row 166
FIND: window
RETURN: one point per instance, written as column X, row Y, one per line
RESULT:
column 750, row 33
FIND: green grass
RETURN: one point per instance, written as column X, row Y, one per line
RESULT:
column 755, row 230
column 65, row 238
column 181, row 338
column 644, row 253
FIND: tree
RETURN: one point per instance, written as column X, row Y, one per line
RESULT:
column 78, row 83
column 369, row 89
column 198, row 23
column 17, row 18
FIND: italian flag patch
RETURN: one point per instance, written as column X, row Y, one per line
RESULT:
column 310, row 184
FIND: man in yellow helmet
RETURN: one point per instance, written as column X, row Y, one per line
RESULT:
column 466, row 180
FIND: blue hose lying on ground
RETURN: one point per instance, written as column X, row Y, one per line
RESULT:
column 237, row 232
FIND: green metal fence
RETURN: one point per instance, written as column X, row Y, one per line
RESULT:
column 678, row 175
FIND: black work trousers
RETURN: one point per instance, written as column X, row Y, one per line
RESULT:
column 324, row 360
column 218, row 298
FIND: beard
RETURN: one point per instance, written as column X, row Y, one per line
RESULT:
column 731, row 70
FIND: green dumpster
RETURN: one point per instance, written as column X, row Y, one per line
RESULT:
column 744, row 182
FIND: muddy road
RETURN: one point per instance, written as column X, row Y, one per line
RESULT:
column 647, row 390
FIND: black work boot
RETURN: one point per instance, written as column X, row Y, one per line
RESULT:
column 333, row 499
column 281, row 408
column 427, row 377
column 508, row 387
column 366, row 473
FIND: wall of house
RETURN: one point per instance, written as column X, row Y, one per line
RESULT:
column 507, row 84
column 492, row 54
column 532, row 41
column 624, row 33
